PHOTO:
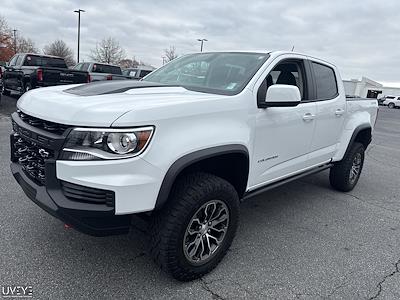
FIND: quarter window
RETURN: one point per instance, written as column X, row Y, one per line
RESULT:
column 325, row 81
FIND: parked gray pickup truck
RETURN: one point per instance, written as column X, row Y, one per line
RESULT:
column 99, row 71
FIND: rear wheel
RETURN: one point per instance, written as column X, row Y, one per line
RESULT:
column 192, row 234
column 391, row 105
column 4, row 91
column 344, row 175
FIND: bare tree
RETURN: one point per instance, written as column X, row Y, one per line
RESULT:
column 61, row 49
column 108, row 51
column 129, row 63
column 170, row 54
column 6, row 42
column 26, row 45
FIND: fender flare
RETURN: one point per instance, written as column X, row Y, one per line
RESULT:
column 356, row 131
column 180, row 164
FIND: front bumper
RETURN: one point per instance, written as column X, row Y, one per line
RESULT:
column 95, row 197
column 92, row 219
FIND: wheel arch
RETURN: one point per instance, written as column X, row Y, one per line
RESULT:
column 215, row 160
column 362, row 134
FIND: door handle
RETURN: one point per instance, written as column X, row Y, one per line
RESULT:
column 339, row 112
column 308, row 117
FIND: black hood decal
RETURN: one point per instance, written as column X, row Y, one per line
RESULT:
column 111, row 87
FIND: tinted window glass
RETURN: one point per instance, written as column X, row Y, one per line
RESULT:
column 98, row 68
column 389, row 97
column 325, row 80
column 288, row 73
column 144, row 73
column 43, row 61
column 221, row 73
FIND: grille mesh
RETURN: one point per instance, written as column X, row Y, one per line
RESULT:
column 46, row 125
column 31, row 157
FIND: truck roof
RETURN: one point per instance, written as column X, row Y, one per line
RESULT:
column 272, row 53
column 99, row 63
column 41, row 55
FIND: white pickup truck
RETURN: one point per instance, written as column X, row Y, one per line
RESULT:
column 184, row 146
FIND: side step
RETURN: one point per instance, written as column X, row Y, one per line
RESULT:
column 273, row 185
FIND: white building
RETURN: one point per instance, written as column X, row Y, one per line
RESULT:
column 367, row 88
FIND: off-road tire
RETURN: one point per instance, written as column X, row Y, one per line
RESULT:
column 5, row 92
column 339, row 176
column 168, row 226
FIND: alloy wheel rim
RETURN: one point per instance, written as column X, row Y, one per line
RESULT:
column 355, row 168
column 206, row 232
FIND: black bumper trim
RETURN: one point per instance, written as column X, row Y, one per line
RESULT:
column 92, row 219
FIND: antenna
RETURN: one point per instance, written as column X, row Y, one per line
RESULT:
column 293, row 48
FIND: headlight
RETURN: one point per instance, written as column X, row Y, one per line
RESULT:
column 105, row 143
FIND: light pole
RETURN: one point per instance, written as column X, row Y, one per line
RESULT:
column 201, row 45
column 106, row 55
column 79, row 28
column 15, row 40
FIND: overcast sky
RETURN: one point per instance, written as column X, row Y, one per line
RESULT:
column 361, row 37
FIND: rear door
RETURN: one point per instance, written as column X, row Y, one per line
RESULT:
column 331, row 106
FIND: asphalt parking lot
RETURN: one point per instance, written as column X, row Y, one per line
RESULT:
column 300, row 241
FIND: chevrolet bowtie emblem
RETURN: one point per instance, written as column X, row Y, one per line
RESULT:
column 43, row 153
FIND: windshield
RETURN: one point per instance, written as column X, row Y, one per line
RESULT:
column 224, row 73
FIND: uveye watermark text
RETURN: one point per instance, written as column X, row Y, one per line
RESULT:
column 16, row 291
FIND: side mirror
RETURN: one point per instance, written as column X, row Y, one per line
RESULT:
column 282, row 95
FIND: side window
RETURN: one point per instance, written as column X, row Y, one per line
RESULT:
column 325, row 81
column 289, row 73
column 19, row 60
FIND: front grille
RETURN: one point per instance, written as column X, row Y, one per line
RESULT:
column 31, row 157
column 80, row 193
column 42, row 124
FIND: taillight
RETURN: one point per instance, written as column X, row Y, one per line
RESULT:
column 109, row 77
column 89, row 78
column 39, row 74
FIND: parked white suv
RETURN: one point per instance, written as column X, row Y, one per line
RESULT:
column 183, row 147
column 392, row 101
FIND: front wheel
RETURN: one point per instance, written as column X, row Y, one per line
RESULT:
column 344, row 175
column 391, row 105
column 192, row 234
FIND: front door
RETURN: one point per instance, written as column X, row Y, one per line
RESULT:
column 283, row 134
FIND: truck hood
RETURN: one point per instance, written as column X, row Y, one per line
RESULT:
column 101, row 103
